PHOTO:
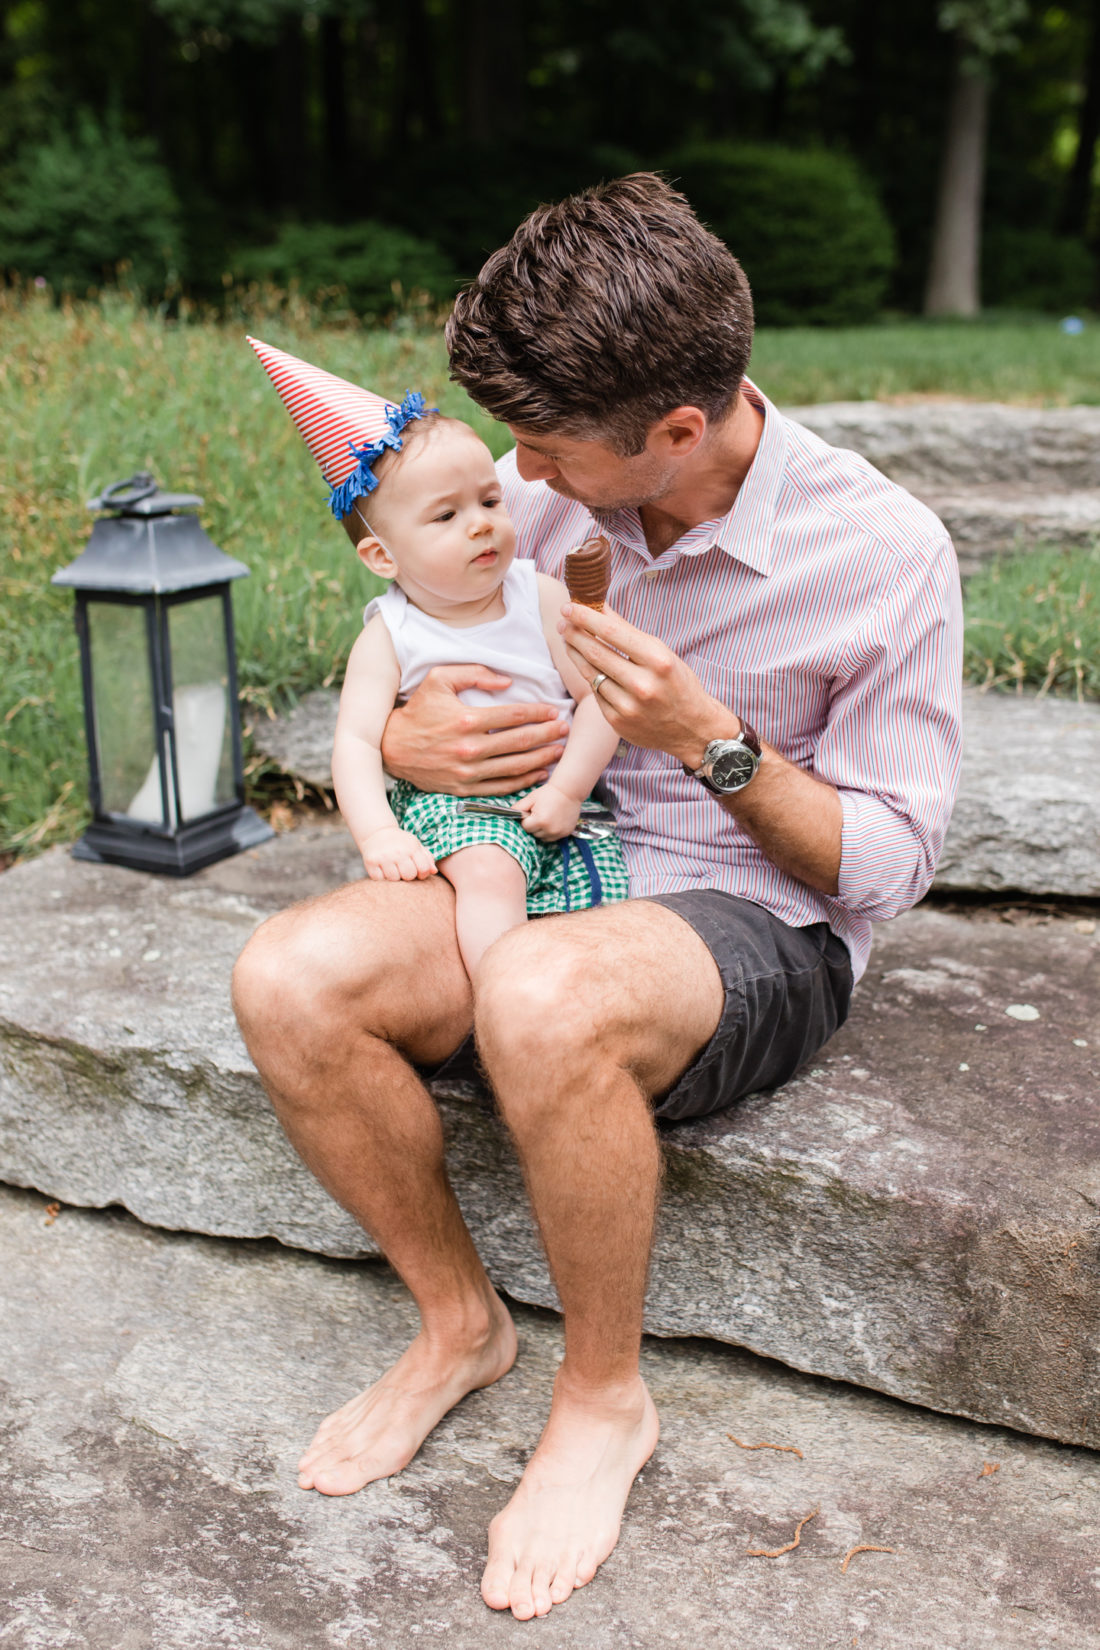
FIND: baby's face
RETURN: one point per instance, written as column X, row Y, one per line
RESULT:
column 443, row 522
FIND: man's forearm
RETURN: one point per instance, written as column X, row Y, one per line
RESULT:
column 796, row 819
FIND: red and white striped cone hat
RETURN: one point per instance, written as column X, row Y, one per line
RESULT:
column 346, row 428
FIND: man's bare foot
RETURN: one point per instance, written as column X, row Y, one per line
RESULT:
column 380, row 1430
column 564, row 1518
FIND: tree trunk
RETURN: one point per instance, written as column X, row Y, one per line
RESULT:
column 1075, row 208
column 953, row 287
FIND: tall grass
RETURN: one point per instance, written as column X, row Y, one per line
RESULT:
column 1034, row 621
column 91, row 392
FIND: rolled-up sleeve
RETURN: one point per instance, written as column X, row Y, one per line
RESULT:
column 892, row 746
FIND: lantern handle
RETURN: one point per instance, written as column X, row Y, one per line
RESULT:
column 121, row 494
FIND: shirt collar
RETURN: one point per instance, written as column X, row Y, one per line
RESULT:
column 745, row 531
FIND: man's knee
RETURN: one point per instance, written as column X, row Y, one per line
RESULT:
column 279, row 976
column 536, row 996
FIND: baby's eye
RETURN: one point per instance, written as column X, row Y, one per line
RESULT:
column 491, row 503
column 445, row 515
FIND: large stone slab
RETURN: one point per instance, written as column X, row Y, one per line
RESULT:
column 1000, row 478
column 1026, row 816
column 964, row 444
column 158, row 1390
column 988, row 521
column 919, row 1212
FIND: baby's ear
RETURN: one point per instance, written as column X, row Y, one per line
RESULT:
column 374, row 555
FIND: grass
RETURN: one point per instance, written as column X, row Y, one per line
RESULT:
column 92, row 392
column 1034, row 621
column 1027, row 361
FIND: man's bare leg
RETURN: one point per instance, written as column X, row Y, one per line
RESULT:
column 331, row 997
column 580, row 1020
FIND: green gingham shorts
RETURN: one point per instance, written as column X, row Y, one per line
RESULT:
column 558, row 873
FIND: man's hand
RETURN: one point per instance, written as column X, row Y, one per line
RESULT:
column 653, row 699
column 439, row 744
column 394, row 855
column 649, row 695
column 549, row 813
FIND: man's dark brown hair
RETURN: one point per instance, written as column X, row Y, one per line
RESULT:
column 602, row 314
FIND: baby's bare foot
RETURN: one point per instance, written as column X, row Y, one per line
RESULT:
column 380, row 1430
column 564, row 1518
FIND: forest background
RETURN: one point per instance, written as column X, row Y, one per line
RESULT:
column 352, row 144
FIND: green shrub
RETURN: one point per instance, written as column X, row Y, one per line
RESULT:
column 805, row 224
column 369, row 267
column 1037, row 270
column 88, row 206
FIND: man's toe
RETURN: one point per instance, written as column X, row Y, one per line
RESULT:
column 521, row 1591
column 495, row 1583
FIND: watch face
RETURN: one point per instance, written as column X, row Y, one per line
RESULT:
column 733, row 768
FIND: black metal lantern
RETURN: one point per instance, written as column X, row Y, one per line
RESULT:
column 159, row 668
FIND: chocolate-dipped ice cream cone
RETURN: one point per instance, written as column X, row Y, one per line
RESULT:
column 588, row 573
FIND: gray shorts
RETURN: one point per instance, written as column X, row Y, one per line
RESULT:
column 786, row 991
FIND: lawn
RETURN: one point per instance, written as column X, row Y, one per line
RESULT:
column 91, row 393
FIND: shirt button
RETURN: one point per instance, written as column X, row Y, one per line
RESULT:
column 652, row 572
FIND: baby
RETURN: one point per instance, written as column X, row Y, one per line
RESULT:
column 419, row 496
column 438, row 527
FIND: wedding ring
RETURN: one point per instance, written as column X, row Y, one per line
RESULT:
column 598, row 680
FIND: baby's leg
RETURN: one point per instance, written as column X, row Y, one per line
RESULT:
column 490, row 897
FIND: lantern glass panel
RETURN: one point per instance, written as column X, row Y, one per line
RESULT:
column 122, row 694
column 200, row 701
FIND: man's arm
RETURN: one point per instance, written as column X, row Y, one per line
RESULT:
column 439, row 744
column 866, row 827
column 653, row 699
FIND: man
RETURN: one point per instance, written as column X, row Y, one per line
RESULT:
column 780, row 655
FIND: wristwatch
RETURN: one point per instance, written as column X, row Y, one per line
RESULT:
column 728, row 764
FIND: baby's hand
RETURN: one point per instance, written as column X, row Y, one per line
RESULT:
column 393, row 855
column 549, row 814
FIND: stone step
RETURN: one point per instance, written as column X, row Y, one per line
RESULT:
column 986, row 522
column 1000, row 478
column 957, row 445
column 919, row 1212
column 158, row 1391
column 1027, row 811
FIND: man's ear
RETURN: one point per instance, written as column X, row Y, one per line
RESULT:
column 374, row 555
column 679, row 432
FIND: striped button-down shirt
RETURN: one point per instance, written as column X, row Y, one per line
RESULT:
column 824, row 609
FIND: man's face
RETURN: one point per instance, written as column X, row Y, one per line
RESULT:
column 590, row 471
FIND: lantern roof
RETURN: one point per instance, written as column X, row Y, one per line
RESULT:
column 149, row 543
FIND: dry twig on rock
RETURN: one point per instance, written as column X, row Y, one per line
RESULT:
column 777, row 1552
column 788, row 1449
column 852, row 1551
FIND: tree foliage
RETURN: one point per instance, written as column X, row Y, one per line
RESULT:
column 448, row 119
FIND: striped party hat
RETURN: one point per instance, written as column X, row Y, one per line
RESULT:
column 345, row 428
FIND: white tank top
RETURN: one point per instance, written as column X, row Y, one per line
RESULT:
column 514, row 645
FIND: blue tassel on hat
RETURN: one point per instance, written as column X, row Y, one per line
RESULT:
column 362, row 479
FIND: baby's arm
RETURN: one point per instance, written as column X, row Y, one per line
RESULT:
column 370, row 689
column 553, row 809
